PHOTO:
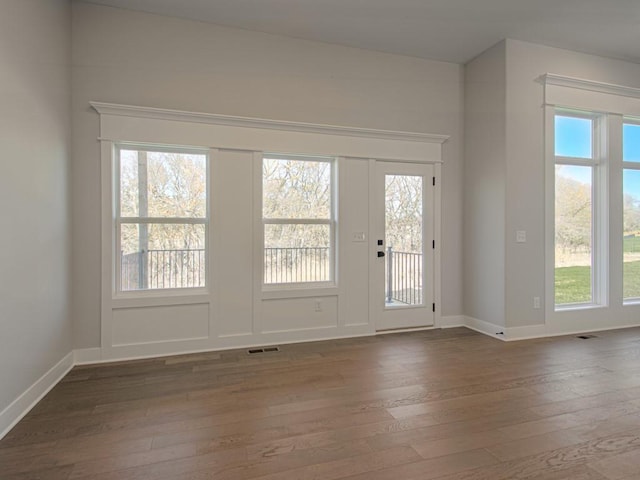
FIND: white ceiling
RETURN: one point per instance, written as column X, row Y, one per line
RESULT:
column 449, row 30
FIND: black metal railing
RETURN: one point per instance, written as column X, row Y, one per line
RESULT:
column 404, row 277
column 296, row 265
column 153, row 269
column 184, row 268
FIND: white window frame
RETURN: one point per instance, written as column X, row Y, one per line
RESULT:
column 626, row 165
column 599, row 211
column 119, row 220
column 332, row 222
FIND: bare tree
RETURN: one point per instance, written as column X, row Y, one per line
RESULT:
column 403, row 212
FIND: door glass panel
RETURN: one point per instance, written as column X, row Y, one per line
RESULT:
column 403, row 240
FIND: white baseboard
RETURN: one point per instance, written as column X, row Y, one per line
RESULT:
column 85, row 356
column 94, row 356
column 490, row 329
column 541, row 331
column 530, row 332
column 12, row 414
column 527, row 332
column 391, row 331
column 506, row 334
column 452, row 321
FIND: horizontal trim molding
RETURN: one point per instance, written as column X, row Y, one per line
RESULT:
column 248, row 122
column 590, row 85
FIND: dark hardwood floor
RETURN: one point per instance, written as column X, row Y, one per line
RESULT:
column 442, row 404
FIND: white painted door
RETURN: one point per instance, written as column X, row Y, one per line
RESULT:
column 402, row 286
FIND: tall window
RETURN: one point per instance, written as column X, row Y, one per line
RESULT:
column 299, row 221
column 631, row 209
column 161, row 218
column 576, row 193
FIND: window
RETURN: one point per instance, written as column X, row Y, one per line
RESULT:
column 631, row 209
column 578, row 228
column 161, row 218
column 298, row 218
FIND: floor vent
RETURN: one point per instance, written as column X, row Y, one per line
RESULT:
column 586, row 337
column 253, row 351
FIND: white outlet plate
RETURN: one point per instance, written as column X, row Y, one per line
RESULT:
column 521, row 236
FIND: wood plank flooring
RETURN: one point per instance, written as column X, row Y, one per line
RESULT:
column 442, row 404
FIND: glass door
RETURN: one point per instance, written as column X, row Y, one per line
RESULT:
column 403, row 258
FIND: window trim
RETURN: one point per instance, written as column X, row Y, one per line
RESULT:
column 627, row 165
column 599, row 201
column 634, row 165
column 118, row 221
column 270, row 290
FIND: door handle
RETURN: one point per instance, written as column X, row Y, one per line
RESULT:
column 380, row 254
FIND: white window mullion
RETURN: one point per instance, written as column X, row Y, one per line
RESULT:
column 584, row 162
column 602, row 202
column 297, row 221
column 163, row 220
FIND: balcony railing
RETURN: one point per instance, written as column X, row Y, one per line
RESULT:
column 153, row 269
column 404, row 277
column 296, row 265
column 185, row 268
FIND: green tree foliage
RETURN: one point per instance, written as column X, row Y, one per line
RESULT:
column 631, row 209
column 573, row 213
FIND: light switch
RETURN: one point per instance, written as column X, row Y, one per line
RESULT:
column 358, row 237
column 521, row 236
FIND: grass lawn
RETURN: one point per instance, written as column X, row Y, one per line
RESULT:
column 632, row 244
column 573, row 284
column 632, row 279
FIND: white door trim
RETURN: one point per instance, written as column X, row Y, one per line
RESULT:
column 432, row 202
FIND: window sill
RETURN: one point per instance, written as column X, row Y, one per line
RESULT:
column 582, row 306
column 160, row 298
column 288, row 291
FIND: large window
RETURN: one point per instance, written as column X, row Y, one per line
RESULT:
column 298, row 218
column 161, row 218
column 631, row 209
column 577, row 224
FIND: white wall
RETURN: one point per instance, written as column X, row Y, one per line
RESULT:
column 525, row 177
column 142, row 59
column 35, row 326
column 485, row 171
column 505, row 187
